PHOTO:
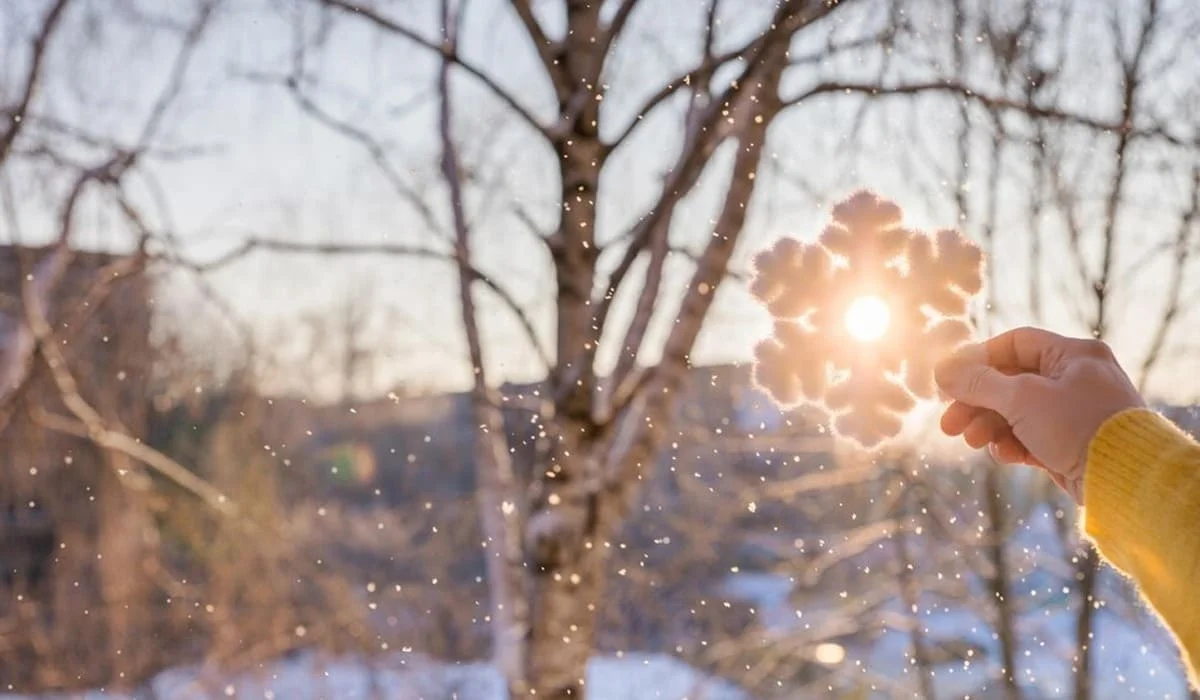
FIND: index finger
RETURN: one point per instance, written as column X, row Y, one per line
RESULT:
column 1024, row 349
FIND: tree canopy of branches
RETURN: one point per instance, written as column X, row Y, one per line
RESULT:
column 634, row 153
column 605, row 415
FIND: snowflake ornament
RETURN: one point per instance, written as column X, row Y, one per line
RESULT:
column 862, row 316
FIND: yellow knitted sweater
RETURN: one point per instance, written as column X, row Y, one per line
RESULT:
column 1142, row 496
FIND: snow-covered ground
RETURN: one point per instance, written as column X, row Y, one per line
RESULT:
column 1134, row 661
column 1133, row 655
column 402, row 676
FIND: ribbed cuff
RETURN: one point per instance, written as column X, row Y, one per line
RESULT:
column 1119, row 481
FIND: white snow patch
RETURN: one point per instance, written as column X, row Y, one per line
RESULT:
column 417, row 677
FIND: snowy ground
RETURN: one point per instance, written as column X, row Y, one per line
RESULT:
column 414, row 677
column 1133, row 656
column 1135, row 659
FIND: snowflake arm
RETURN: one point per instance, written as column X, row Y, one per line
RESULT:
column 924, row 282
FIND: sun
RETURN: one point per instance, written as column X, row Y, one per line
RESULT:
column 867, row 318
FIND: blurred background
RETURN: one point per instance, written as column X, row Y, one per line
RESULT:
column 399, row 348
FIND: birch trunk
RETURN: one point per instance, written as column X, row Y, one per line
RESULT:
column 496, row 492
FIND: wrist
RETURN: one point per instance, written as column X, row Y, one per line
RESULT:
column 1074, row 487
column 1128, row 480
column 1123, row 453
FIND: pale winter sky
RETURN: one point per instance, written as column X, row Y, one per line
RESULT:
column 268, row 170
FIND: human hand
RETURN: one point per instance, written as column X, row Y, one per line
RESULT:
column 1035, row 397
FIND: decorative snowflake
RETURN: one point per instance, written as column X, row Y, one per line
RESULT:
column 862, row 316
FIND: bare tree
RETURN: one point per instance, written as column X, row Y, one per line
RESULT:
column 497, row 491
column 1030, row 50
column 605, row 428
column 632, row 290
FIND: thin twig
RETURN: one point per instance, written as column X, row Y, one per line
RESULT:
column 994, row 102
column 375, row 150
column 501, row 510
column 547, row 49
column 179, row 70
column 617, row 25
column 1183, row 253
column 446, row 51
column 15, row 115
column 92, row 424
column 395, row 249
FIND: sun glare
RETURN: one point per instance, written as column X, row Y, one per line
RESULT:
column 867, row 318
column 830, row 654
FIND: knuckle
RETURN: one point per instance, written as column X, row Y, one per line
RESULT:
column 1022, row 389
column 1098, row 349
column 976, row 382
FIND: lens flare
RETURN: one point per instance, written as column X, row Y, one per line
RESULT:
column 829, row 654
column 867, row 318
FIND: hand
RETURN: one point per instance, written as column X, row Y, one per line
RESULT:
column 1035, row 397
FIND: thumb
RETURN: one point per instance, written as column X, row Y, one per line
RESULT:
column 966, row 376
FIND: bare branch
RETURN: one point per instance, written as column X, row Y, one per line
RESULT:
column 500, row 509
column 683, row 176
column 20, row 346
column 16, row 115
column 882, row 39
column 547, row 49
column 118, row 441
column 16, row 360
column 93, row 425
column 658, row 236
column 617, row 25
column 1132, row 81
column 720, row 119
column 178, row 71
column 818, row 481
column 284, row 246
column 680, row 82
column 710, row 27
column 522, row 317
column 522, row 213
column 1183, row 252
column 448, row 53
column 393, row 249
column 791, row 16
column 994, row 102
column 1066, row 204
column 702, row 288
column 106, row 280
column 84, row 137
column 853, row 542
column 372, row 146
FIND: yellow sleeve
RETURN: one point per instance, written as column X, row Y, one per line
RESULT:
column 1141, row 493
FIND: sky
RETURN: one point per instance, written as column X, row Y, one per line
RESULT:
column 261, row 167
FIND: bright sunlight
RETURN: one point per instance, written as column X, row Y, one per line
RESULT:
column 867, row 318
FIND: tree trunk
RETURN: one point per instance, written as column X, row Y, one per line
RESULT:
column 566, row 599
column 910, row 592
column 999, row 583
column 1085, row 574
column 500, row 520
column 595, row 480
column 497, row 493
column 122, row 554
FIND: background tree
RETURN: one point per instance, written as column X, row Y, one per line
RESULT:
column 568, row 192
column 606, row 422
